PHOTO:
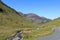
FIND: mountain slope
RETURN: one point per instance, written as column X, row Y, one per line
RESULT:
column 9, row 17
column 36, row 19
column 55, row 22
column 11, row 21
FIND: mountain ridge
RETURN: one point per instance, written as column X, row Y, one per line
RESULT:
column 35, row 18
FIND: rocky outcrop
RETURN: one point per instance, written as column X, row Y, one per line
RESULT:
column 18, row 36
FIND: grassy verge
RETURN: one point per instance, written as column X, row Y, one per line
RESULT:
column 38, row 33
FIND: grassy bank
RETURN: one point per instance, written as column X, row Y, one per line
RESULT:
column 38, row 33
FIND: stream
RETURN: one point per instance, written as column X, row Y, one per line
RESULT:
column 54, row 36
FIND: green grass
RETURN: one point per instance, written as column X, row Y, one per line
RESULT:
column 55, row 22
column 38, row 33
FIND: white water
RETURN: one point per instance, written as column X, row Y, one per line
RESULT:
column 54, row 36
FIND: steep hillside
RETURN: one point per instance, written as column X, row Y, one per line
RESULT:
column 11, row 21
column 9, row 17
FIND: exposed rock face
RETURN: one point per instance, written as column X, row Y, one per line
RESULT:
column 18, row 36
column 35, row 18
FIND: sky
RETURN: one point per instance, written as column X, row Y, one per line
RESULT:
column 46, row 8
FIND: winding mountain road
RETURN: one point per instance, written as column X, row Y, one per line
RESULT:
column 54, row 36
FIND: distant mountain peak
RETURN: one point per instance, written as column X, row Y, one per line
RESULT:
column 35, row 18
column 31, row 14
